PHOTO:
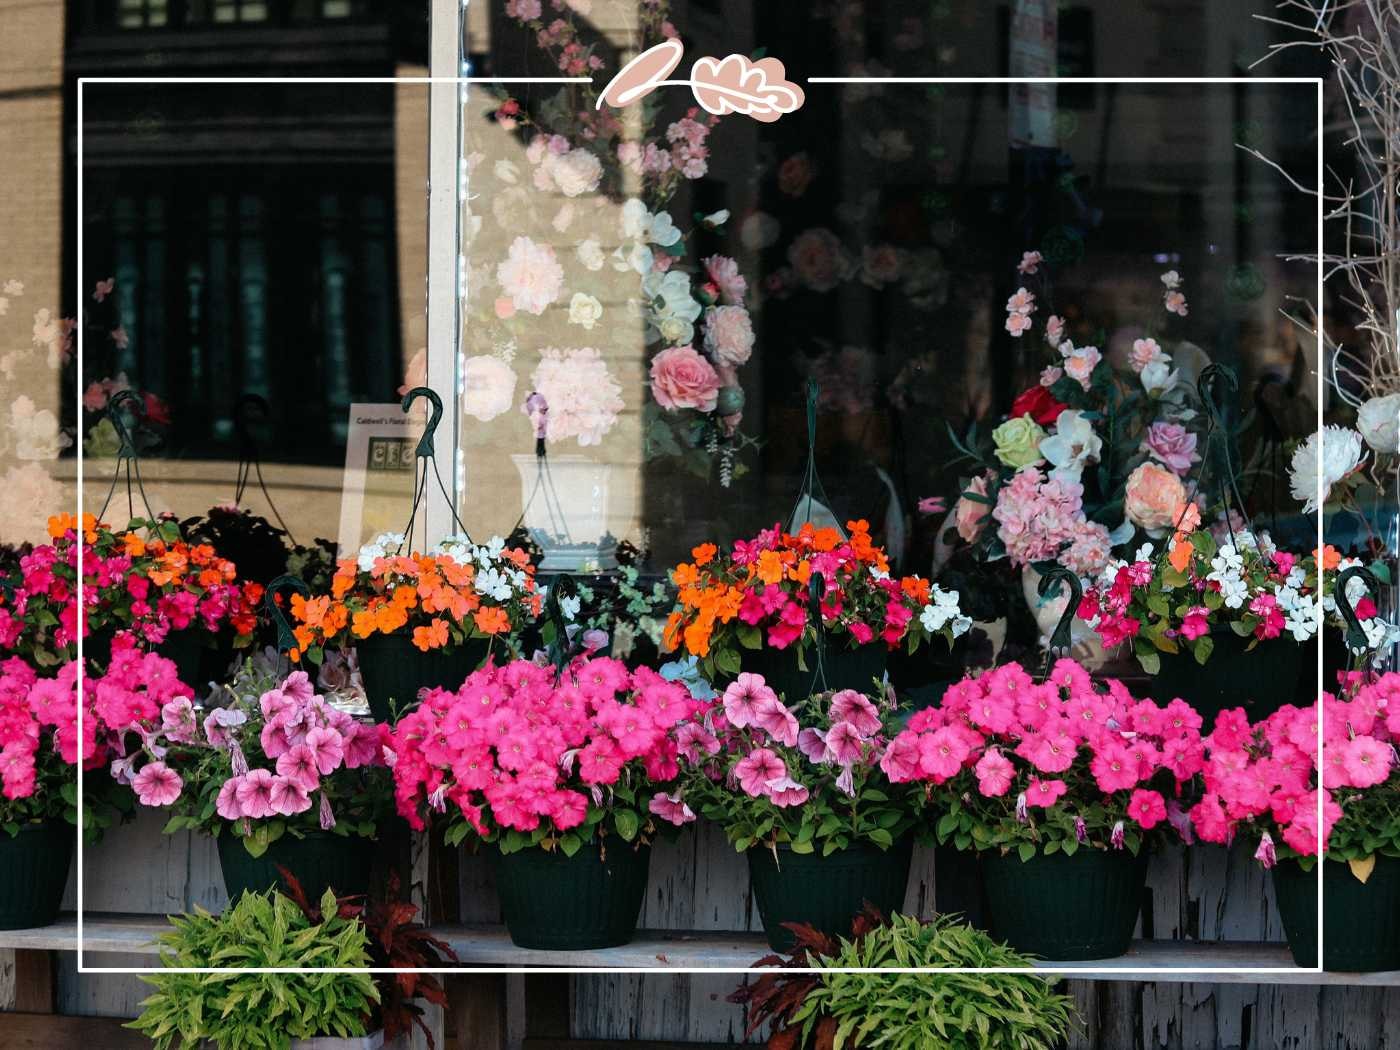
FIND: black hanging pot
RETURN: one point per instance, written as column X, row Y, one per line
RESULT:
column 826, row 892
column 33, row 873
column 394, row 670
column 1261, row 680
column 319, row 860
column 860, row 668
column 551, row 901
column 1065, row 908
column 1361, row 919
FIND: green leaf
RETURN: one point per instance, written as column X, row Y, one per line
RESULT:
column 627, row 823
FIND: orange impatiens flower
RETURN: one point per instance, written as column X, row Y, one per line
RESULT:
column 704, row 554
column 434, row 636
column 1329, row 557
column 491, row 619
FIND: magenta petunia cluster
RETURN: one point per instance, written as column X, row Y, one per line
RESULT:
column 1264, row 778
column 1086, row 747
column 525, row 748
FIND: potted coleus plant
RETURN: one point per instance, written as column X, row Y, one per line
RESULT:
column 567, row 773
column 144, row 583
column 803, row 791
column 304, row 1009
column 275, row 773
column 1262, row 782
column 1061, row 785
column 1221, row 624
column 808, row 611
column 400, row 948
column 821, row 997
column 419, row 620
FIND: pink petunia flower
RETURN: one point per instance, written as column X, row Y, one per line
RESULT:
column 742, row 696
column 994, row 774
column 255, row 794
column 756, row 769
column 671, row 808
column 1044, row 793
column 157, row 784
column 784, row 791
column 286, row 798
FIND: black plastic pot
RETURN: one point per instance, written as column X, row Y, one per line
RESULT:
column 1362, row 919
column 859, row 668
column 826, row 892
column 1261, row 680
column 552, row 902
column 33, row 874
column 393, row 670
column 1065, row 908
column 320, row 860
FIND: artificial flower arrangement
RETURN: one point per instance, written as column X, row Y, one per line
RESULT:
column 1264, row 784
column 1069, row 779
column 569, row 772
column 440, row 598
column 144, row 582
column 267, row 765
column 1086, row 458
column 583, row 232
column 757, row 595
column 794, row 783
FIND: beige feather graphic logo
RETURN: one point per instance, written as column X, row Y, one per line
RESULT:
column 756, row 88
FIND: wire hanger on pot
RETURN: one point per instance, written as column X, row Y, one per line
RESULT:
column 126, row 455
column 286, row 637
column 1062, row 636
column 424, row 457
column 1358, row 645
column 249, row 462
column 811, row 492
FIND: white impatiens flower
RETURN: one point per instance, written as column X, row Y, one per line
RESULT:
column 1330, row 455
column 1379, row 422
column 382, row 546
column 943, row 611
column 1072, row 446
column 1234, row 591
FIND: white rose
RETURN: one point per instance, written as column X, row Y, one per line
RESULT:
column 584, row 310
column 590, row 253
column 1379, row 423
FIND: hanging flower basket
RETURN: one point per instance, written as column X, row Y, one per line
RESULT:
column 842, row 668
column 551, row 901
column 394, row 670
column 33, row 873
column 1066, row 908
column 319, row 860
column 1260, row 680
column 1361, row 919
column 825, row 892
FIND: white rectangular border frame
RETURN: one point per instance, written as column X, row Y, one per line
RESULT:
column 445, row 93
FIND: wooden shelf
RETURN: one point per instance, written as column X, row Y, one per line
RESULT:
column 489, row 946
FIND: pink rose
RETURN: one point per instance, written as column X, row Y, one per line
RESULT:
column 728, row 334
column 969, row 513
column 1170, row 444
column 1144, row 353
column 682, row 378
column 724, row 272
column 1080, row 362
column 1153, row 498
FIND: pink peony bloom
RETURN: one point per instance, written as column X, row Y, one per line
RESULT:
column 729, row 335
column 1146, row 352
column 682, row 378
column 724, row 273
column 157, row 784
column 530, row 276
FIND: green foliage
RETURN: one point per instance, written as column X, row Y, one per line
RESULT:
column 910, row 1011
column 259, row 1011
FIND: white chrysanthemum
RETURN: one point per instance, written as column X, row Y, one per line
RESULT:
column 1330, row 454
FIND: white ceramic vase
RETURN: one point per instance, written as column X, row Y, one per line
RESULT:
column 566, row 511
column 1085, row 646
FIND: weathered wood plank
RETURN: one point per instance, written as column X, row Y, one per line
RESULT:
column 19, row 1031
column 34, row 982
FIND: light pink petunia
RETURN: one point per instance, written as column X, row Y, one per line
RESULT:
column 784, row 791
column 853, row 707
column 845, row 743
column 994, row 773
column 327, row 747
column 671, row 808
column 942, row 753
column 299, row 766
column 255, row 794
column 756, row 769
column 227, row 804
column 742, row 696
column 772, row 716
column 157, row 784
column 287, row 799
